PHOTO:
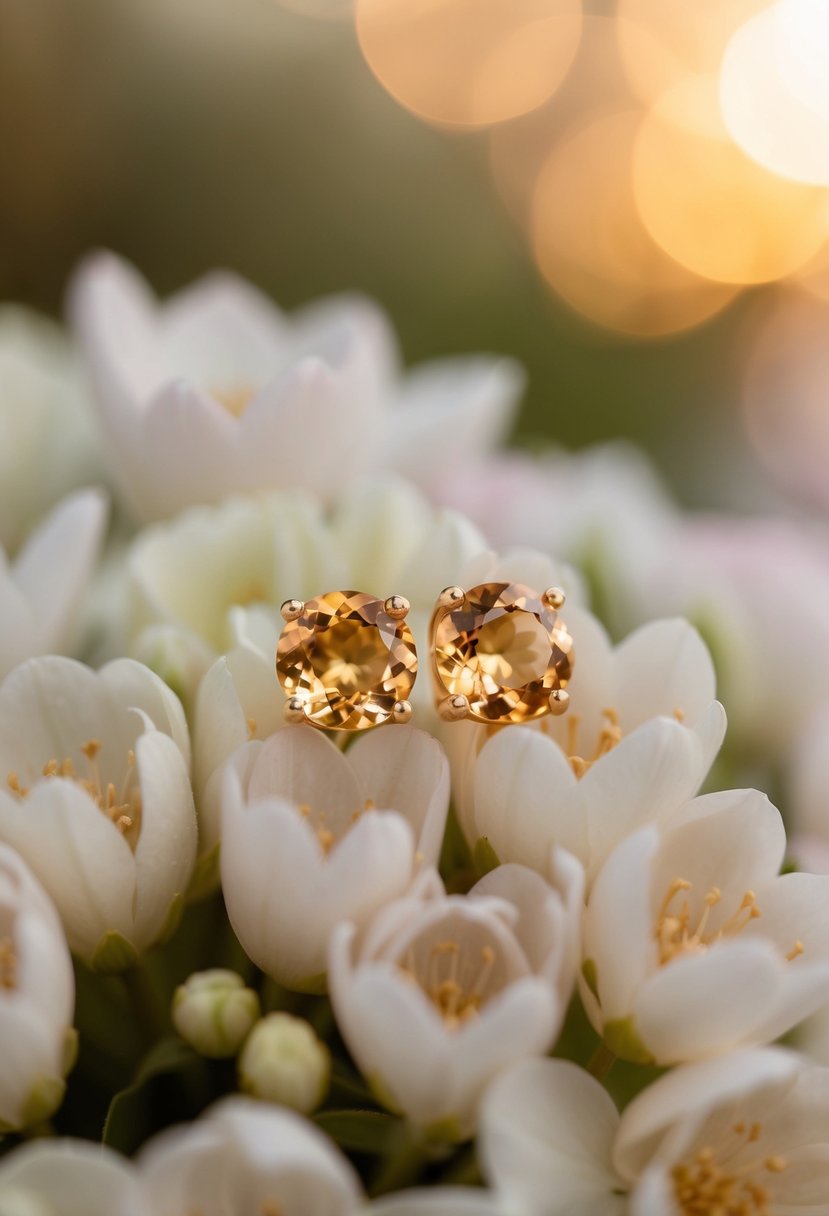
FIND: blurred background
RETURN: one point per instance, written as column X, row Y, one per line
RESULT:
column 632, row 198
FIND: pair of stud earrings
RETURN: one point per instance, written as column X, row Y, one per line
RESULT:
column 500, row 653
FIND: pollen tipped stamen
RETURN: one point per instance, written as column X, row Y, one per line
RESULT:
column 674, row 932
column 457, row 1001
column 610, row 735
column 706, row 1185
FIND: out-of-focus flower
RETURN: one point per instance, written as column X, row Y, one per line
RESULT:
column 807, row 802
column 717, row 571
column 37, row 996
column 216, row 391
column 440, row 992
column 97, row 799
column 42, row 587
column 48, row 446
column 437, row 1201
column 213, row 1011
column 244, row 1155
column 69, row 1177
column 603, row 509
column 311, row 837
column 636, row 743
column 693, row 943
column 283, row 1061
column 745, row 1134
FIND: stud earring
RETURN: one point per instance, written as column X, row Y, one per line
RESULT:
column 346, row 660
column 500, row 653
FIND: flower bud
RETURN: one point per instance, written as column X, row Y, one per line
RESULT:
column 283, row 1061
column 213, row 1011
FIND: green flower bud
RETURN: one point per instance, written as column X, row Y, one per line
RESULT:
column 283, row 1061
column 213, row 1011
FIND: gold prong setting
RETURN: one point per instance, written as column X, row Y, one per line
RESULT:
column 554, row 598
column 292, row 610
column 454, row 708
column 397, row 607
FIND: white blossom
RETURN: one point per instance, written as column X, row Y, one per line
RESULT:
column 283, row 1061
column 215, row 391
column 49, row 447
column 637, row 741
column 41, row 588
column 70, row 1178
column 244, row 1155
column 213, row 1011
column 693, row 943
column 312, row 837
column 37, row 996
column 97, row 799
column 440, row 992
column 745, row 1134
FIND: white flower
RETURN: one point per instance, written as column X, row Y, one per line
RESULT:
column 716, row 571
column 49, row 446
column 693, row 944
column 244, row 1155
column 640, row 734
column 437, row 1201
column 216, row 392
column 97, row 799
column 283, row 1061
column 441, row 992
column 69, row 1177
column 42, row 587
column 746, row 1134
column 311, row 837
column 37, row 997
column 807, row 803
column 213, row 1011
column 603, row 509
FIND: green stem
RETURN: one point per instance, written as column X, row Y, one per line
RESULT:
column 152, row 1014
column 601, row 1062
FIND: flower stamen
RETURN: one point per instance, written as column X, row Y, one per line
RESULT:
column 674, row 932
column 705, row 1186
column 610, row 734
column 456, row 1003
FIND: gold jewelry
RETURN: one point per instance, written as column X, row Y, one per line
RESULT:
column 346, row 660
column 500, row 653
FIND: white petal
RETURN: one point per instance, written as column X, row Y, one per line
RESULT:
column 166, row 850
column 133, row 685
column 646, row 777
column 436, row 1201
column 379, row 524
column 177, row 470
column 618, row 924
column 18, row 631
column 526, row 797
column 690, row 1093
column 663, row 666
column 542, row 930
column 406, row 771
column 55, row 564
column 75, row 1178
column 305, row 768
column 547, row 1130
column 706, row 1004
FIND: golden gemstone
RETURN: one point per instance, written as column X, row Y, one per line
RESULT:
column 346, row 661
column 503, row 648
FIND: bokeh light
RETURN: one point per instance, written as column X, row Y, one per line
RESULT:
column 803, row 29
column 762, row 111
column 469, row 62
column 710, row 206
column 664, row 41
column 592, row 247
column 321, row 10
column 786, row 393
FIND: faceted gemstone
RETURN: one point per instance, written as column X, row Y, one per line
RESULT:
column 503, row 649
column 347, row 660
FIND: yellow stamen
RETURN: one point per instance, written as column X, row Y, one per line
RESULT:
column 609, row 736
column 675, row 933
column 708, row 1186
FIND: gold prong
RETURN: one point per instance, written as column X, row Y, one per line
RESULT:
column 451, row 597
column 454, row 708
column 397, row 606
column 559, row 700
column 401, row 711
column 294, row 710
column 554, row 597
column 292, row 609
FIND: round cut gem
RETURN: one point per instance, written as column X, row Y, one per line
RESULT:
column 346, row 660
column 504, row 649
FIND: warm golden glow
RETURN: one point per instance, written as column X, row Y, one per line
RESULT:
column 469, row 62
column 592, row 247
column 712, row 208
column 662, row 42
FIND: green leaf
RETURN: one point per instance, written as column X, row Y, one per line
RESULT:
column 360, row 1131
column 149, row 1102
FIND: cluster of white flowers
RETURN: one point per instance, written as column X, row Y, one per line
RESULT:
column 417, row 922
